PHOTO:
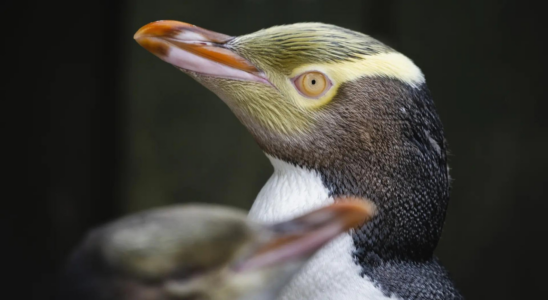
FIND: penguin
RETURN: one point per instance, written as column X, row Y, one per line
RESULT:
column 338, row 113
column 201, row 251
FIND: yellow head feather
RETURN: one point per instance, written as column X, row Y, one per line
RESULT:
column 284, row 52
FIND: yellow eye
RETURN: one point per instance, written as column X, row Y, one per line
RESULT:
column 312, row 84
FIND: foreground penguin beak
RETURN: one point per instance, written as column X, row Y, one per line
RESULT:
column 196, row 49
column 301, row 237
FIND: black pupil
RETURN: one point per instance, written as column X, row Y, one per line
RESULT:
column 313, row 81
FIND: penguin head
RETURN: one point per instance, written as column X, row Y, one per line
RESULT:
column 334, row 101
column 200, row 252
column 283, row 80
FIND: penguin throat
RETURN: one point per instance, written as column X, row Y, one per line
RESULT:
column 292, row 191
column 410, row 212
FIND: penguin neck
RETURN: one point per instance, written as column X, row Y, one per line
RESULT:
column 333, row 272
column 291, row 191
column 398, row 161
column 411, row 198
column 387, row 147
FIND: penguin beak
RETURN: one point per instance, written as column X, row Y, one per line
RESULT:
column 195, row 49
column 299, row 238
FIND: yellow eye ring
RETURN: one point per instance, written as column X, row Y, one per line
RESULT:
column 312, row 84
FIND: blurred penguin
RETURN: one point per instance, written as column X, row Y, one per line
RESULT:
column 201, row 252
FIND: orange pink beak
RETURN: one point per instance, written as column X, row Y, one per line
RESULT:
column 195, row 49
column 303, row 236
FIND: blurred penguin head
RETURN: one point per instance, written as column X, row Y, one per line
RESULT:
column 201, row 252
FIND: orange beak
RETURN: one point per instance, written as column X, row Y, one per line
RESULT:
column 303, row 236
column 195, row 49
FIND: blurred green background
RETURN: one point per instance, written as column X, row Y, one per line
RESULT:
column 108, row 129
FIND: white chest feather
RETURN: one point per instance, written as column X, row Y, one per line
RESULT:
column 331, row 274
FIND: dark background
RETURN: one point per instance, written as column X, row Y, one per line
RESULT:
column 102, row 128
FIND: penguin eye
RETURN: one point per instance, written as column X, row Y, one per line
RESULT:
column 312, row 84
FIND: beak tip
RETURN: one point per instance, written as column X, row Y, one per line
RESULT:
column 357, row 211
column 141, row 32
